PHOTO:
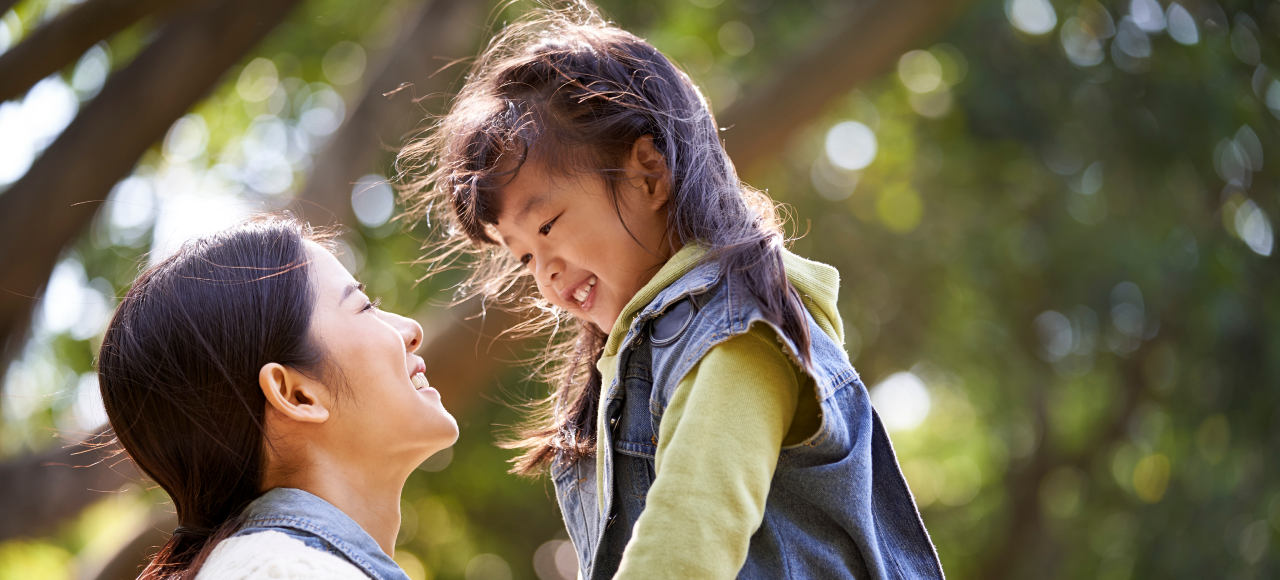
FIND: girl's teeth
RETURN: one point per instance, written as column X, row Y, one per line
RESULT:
column 419, row 381
column 585, row 290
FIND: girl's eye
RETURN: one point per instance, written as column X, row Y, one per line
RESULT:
column 372, row 305
column 546, row 229
column 524, row 260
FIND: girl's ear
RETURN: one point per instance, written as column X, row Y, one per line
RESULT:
column 648, row 161
column 294, row 395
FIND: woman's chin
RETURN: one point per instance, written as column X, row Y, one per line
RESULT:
column 440, row 433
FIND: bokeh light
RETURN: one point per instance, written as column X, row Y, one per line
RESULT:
column 920, row 71
column 831, row 182
column 373, row 200
column 556, row 560
column 258, row 80
column 186, row 139
column 1147, row 15
column 736, row 38
column 30, row 125
column 91, row 71
column 902, row 400
column 1182, row 27
column 344, row 63
column 1033, row 17
column 851, row 145
column 488, row 567
column 1253, row 227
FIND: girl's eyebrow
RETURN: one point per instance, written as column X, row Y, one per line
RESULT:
column 531, row 205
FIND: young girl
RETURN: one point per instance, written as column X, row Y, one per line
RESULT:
column 706, row 422
column 281, row 410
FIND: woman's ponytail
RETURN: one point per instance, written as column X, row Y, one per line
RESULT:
column 186, row 551
column 178, row 370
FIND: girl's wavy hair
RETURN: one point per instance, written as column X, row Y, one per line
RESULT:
column 564, row 88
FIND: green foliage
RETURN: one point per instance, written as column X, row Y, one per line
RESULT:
column 1048, row 238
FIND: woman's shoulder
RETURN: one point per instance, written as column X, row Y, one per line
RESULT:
column 274, row 556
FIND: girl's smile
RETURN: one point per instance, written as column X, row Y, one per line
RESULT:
column 590, row 248
column 581, row 293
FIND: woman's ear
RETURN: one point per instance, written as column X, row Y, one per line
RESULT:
column 293, row 394
column 648, row 161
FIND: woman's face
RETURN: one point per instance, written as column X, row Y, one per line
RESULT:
column 390, row 417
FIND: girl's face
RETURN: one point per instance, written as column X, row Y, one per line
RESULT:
column 392, row 418
column 573, row 240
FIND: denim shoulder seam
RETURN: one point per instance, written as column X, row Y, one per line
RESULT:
column 348, row 551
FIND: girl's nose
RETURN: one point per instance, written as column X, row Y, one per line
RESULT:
column 550, row 269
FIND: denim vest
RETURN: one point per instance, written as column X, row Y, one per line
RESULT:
column 838, row 506
column 318, row 524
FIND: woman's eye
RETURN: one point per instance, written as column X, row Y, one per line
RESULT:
column 372, row 305
column 546, row 229
column 525, row 259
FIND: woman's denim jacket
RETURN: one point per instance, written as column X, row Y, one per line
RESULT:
column 838, row 506
column 320, row 525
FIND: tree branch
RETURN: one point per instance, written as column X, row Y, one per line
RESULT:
column 134, row 110
column 127, row 563
column 378, row 123
column 43, row 489
column 60, row 42
column 5, row 5
column 863, row 46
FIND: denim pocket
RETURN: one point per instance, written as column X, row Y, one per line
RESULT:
column 635, row 466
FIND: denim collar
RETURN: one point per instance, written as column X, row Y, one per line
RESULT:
column 285, row 507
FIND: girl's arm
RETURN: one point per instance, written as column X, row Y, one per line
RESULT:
column 718, row 446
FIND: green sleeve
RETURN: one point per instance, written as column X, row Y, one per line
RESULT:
column 718, row 446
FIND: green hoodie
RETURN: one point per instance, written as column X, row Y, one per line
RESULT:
column 721, row 434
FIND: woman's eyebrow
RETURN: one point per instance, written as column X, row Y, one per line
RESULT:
column 349, row 289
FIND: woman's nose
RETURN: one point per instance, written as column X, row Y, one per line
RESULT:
column 410, row 331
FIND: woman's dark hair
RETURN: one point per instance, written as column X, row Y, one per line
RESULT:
column 179, row 369
column 563, row 88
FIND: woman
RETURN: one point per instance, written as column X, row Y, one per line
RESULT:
column 251, row 377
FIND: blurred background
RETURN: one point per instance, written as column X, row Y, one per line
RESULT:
column 1053, row 220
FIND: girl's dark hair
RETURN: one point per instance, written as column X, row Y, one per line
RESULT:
column 179, row 369
column 564, row 88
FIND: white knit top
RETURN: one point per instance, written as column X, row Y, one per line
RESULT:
column 274, row 556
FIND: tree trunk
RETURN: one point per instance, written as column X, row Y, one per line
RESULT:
column 61, row 41
column 5, row 5
column 102, row 144
column 43, row 489
column 862, row 46
column 127, row 563
column 443, row 28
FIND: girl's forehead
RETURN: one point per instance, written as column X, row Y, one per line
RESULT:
column 529, row 189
